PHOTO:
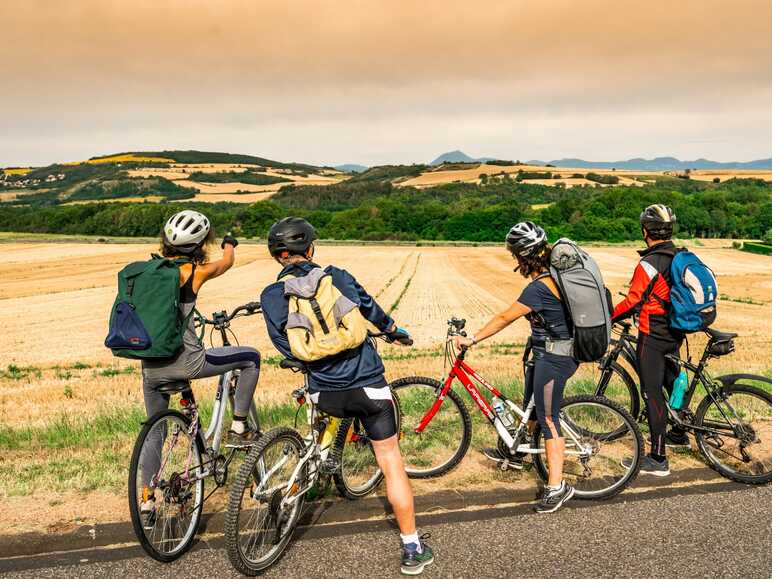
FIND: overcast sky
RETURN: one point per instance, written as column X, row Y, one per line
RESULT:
column 388, row 81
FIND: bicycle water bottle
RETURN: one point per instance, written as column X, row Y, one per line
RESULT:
column 502, row 411
column 679, row 388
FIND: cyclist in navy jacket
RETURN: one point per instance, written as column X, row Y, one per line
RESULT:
column 350, row 384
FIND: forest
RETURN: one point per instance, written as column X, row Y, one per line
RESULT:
column 372, row 208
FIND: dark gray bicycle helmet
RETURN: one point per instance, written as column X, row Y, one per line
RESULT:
column 658, row 221
column 525, row 239
column 290, row 236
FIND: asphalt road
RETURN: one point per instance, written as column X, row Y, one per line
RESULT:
column 706, row 530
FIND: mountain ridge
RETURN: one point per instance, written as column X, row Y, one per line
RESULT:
column 664, row 163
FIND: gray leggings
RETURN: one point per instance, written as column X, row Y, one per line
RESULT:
column 218, row 362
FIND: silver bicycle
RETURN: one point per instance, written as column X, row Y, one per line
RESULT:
column 173, row 456
column 267, row 498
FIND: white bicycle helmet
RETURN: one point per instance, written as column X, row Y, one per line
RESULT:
column 186, row 228
column 526, row 238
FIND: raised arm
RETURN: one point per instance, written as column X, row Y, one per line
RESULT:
column 213, row 269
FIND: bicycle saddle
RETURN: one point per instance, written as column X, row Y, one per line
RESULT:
column 294, row 365
column 717, row 336
column 173, row 387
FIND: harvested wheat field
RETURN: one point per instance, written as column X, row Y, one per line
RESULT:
column 440, row 176
column 56, row 375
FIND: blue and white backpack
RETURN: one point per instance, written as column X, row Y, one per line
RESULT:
column 693, row 293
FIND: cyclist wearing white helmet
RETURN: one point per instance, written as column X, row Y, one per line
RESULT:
column 187, row 235
column 546, row 372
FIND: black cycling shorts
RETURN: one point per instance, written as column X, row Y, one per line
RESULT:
column 372, row 406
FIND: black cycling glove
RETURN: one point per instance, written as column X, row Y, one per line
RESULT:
column 230, row 240
column 400, row 335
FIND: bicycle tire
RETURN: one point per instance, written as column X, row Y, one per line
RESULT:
column 344, row 486
column 240, row 485
column 465, row 422
column 136, row 518
column 631, row 386
column 726, row 392
column 540, row 459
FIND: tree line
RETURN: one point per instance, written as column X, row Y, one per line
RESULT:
column 371, row 209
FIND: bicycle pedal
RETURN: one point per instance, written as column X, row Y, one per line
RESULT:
column 329, row 466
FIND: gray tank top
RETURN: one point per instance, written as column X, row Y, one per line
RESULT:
column 188, row 363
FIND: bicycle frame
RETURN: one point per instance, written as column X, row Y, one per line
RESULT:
column 317, row 450
column 466, row 374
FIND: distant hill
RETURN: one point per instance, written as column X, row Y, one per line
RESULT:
column 458, row 157
column 351, row 168
column 656, row 164
column 194, row 157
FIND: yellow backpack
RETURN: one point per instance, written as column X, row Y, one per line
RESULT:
column 322, row 321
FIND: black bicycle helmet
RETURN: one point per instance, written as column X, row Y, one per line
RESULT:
column 658, row 221
column 290, row 236
column 525, row 239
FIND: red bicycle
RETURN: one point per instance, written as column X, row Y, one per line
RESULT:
column 437, row 429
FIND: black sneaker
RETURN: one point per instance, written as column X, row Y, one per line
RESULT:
column 552, row 500
column 675, row 439
column 413, row 562
column 513, row 462
column 650, row 466
column 243, row 439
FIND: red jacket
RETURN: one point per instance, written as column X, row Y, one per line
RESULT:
column 649, row 292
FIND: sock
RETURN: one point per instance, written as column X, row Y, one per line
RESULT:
column 412, row 539
column 239, row 424
column 557, row 488
column 659, row 457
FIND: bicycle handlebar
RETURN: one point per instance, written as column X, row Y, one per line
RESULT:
column 222, row 317
column 390, row 338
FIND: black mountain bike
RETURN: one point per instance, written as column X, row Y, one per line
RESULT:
column 732, row 425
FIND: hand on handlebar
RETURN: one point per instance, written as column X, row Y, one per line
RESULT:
column 462, row 342
column 399, row 335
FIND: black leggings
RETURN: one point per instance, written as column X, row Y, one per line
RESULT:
column 545, row 378
column 656, row 371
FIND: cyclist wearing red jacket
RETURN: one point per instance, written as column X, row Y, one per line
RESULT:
column 649, row 299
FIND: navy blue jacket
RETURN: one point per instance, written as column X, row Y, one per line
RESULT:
column 363, row 367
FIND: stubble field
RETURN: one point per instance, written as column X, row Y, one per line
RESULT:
column 59, row 385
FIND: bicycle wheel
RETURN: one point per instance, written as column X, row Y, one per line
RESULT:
column 740, row 446
column 166, row 464
column 359, row 473
column 599, row 436
column 615, row 384
column 445, row 440
column 258, row 526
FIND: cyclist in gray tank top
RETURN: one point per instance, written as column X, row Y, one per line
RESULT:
column 186, row 235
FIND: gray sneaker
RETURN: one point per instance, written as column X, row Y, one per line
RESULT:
column 650, row 466
column 552, row 500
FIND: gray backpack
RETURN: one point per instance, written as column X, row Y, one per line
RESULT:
column 585, row 296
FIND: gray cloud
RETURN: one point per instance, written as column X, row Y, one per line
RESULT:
column 386, row 81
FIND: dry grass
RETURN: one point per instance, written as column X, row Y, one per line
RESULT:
column 56, row 298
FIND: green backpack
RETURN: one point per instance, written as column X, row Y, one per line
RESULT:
column 145, row 321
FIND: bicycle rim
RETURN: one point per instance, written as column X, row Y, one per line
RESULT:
column 259, row 526
column 167, row 464
column 742, row 446
column 359, row 471
column 444, row 441
column 603, row 447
